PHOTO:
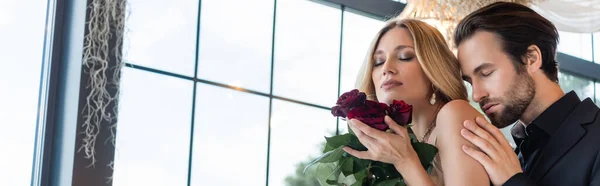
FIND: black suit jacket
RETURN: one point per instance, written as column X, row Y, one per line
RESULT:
column 571, row 156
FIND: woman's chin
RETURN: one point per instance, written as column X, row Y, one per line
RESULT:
column 387, row 100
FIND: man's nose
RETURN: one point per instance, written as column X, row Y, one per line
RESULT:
column 478, row 92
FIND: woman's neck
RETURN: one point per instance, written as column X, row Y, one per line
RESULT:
column 423, row 116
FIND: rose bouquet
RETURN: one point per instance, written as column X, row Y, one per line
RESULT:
column 336, row 167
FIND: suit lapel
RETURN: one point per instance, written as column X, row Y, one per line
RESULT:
column 567, row 135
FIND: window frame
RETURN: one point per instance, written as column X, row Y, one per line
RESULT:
column 63, row 91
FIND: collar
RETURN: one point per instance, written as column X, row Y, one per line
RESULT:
column 553, row 116
column 518, row 130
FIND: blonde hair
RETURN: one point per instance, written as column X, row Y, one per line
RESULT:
column 437, row 61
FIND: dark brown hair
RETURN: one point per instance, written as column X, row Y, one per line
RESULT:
column 517, row 27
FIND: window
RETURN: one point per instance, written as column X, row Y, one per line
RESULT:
column 153, row 138
column 597, row 90
column 583, row 87
column 162, row 35
column 235, row 48
column 358, row 33
column 230, row 137
column 307, row 51
column 596, row 38
column 23, row 25
column 576, row 44
column 296, row 140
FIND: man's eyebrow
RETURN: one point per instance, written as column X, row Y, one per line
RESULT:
column 481, row 67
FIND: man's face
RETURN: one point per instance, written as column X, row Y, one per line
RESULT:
column 502, row 90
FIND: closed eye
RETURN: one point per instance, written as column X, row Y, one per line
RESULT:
column 405, row 59
column 378, row 62
column 486, row 74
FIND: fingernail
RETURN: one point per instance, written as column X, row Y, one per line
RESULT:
column 464, row 147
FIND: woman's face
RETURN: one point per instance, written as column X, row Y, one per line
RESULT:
column 397, row 73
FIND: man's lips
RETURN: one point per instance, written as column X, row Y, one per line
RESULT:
column 488, row 107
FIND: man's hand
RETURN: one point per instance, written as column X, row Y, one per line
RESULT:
column 498, row 157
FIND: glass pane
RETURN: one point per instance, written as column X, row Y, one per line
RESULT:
column 343, row 126
column 583, row 87
column 231, row 129
column 22, row 24
column 597, row 90
column 295, row 141
column 153, row 137
column 162, row 35
column 597, row 47
column 576, row 44
column 307, row 51
column 236, row 51
column 358, row 32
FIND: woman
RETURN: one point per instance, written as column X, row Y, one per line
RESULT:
column 409, row 60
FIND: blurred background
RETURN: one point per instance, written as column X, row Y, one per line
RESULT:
column 212, row 92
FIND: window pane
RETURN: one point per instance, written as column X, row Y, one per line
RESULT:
column 162, row 35
column 583, row 87
column 235, row 50
column 359, row 31
column 153, row 137
column 597, row 90
column 307, row 42
column 231, row 129
column 296, row 140
column 597, row 47
column 22, row 24
column 576, row 44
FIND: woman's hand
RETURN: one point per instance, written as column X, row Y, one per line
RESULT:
column 393, row 148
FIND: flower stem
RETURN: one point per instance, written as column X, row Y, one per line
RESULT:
column 369, row 175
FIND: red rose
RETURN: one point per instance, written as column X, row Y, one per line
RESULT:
column 400, row 112
column 347, row 101
column 372, row 114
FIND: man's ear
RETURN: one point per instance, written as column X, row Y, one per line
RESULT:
column 533, row 59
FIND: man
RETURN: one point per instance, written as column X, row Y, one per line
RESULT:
column 507, row 53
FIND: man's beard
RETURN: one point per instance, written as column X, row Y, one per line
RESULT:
column 515, row 101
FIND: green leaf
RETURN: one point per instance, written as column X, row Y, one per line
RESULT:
column 426, row 152
column 360, row 177
column 355, row 144
column 331, row 182
column 401, row 183
column 328, row 157
column 324, row 172
column 413, row 137
column 360, row 164
column 348, row 166
column 411, row 134
column 316, row 160
column 328, row 148
column 390, row 182
column 334, row 156
column 337, row 141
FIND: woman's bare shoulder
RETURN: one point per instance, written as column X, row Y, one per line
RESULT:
column 455, row 112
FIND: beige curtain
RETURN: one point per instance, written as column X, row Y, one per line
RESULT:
column 579, row 16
